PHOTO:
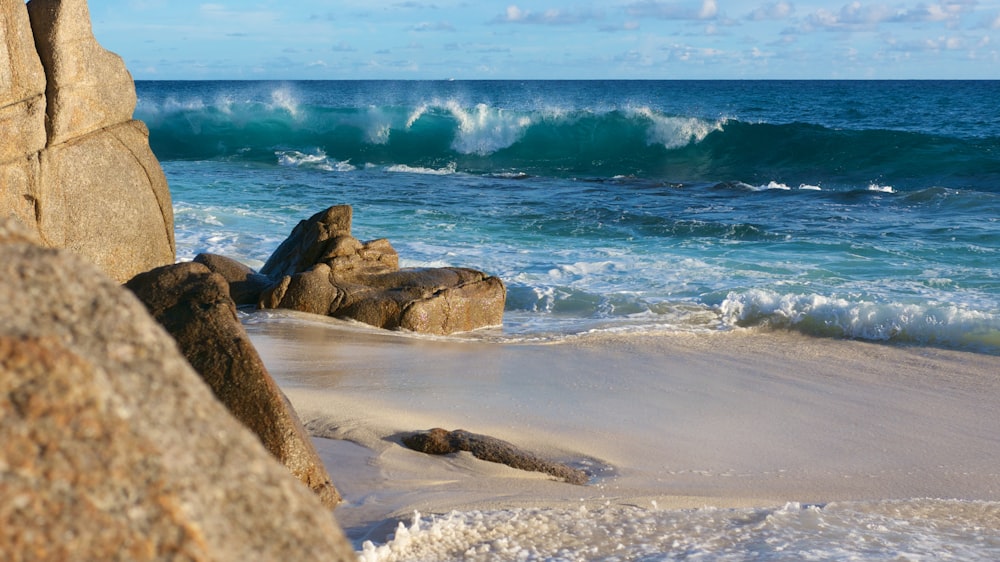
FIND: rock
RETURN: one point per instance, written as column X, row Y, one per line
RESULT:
column 309, row 241
column 74, row 167
column 104, row 196
column 438, row 441
column 22, row 113
column 193, row 304
column 322, row 269
column 112, row 447
column 87, row 87
column 245, row 285
column 310, row 291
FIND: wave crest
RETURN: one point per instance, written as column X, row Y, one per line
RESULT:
column 550, row 141
column 818, row 315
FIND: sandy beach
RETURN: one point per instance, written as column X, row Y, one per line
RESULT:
column 741, row 419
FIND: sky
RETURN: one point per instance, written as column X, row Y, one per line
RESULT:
column 552, row 39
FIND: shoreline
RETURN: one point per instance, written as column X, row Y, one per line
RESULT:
column 727, row 420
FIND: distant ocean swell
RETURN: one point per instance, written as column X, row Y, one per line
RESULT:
column 627, row 141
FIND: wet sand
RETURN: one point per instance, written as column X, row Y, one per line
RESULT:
column 668, row 420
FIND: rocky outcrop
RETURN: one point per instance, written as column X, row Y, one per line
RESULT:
column 112, row 447
column 322, row 269
column 438, row 441
column 193, row 304
column 74, row 167
column 245, row 285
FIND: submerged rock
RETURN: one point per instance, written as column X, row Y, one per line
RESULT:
column 322, row 269
column 193, row 304
column 438, row 441
column 113, row 448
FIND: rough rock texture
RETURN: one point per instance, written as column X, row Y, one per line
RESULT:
column 112, row 447
column 245, row 285
column 193, row 304
column 88, row 88
column 22, row 113
column 74, row 167
column 438, row 441
column 322, row 269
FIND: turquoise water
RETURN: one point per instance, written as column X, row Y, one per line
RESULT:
column 866, row 210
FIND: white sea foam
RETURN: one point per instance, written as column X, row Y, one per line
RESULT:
column 881, row 188
column 318, row 160
column 889, row 530
column 284, row 98
column 416, row 114
column 485, row 129
column 377, row 125
column 448, row 170
column 674, row 132
column 829, row 316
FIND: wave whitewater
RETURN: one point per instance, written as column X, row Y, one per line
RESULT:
column 553, row 142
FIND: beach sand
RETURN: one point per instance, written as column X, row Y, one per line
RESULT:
column 738, row 419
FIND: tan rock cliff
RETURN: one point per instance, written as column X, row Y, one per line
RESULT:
column 74, row 167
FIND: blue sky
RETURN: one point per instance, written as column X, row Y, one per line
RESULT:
column 464, row 39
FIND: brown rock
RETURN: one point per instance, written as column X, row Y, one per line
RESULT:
column 88, row 88
column 308, row 242
column 321, row 269
column 23, row 124
column 245, row 285
column 22, row 113
column 310, row 291
column 21, row 73
column 438, row 441
column 19, row 185
column 104, row 196
column 112, row 447
column 193, row 304
column 74, row 167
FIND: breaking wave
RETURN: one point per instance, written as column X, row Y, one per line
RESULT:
column 556, row 142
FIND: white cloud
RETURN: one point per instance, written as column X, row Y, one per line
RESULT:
column 858, row 15
column 932, row 44
column 514, row 14
column 853, row 15
column 774, row 11
column 707, row 9
column 626, row 26
column 343, row 47
column 438, row 26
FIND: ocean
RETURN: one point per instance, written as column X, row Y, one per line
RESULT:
column 864, row 210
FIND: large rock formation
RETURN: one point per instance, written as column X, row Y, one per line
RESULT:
column 193, row 304
column 74, row 167
column 112, row 447
column 322, row 269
